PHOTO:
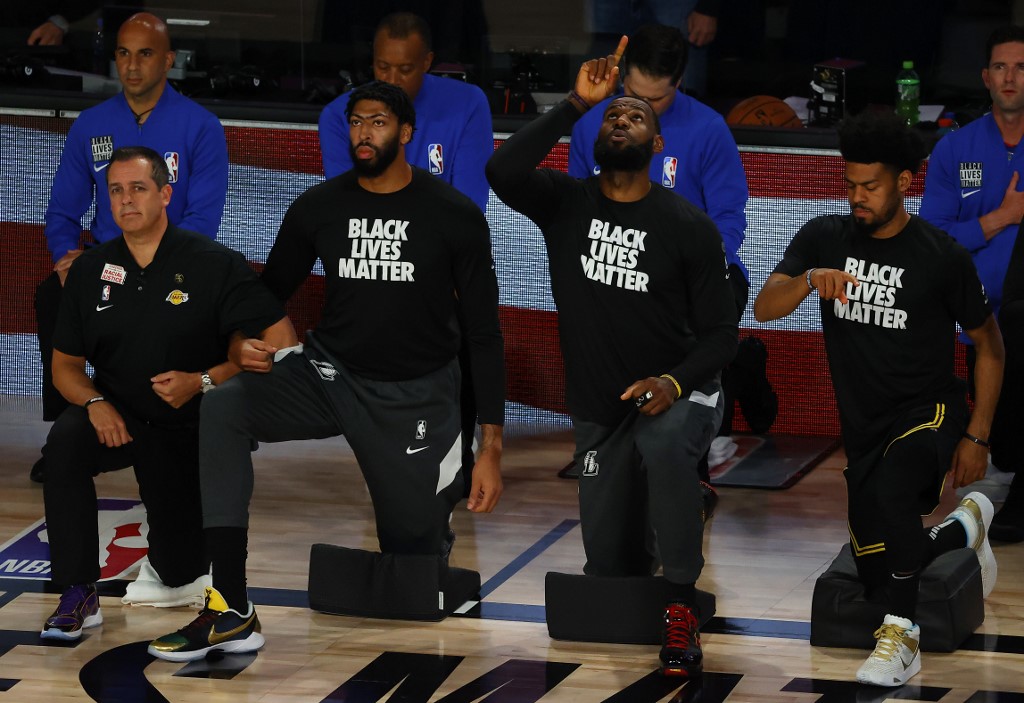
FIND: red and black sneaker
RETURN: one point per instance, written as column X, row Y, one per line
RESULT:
column 680, row 649
column 709, row 497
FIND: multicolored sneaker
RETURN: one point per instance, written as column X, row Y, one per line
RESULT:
column 78, row 609
column 681, row 654
column 149, row 589
column 975, row 514
column 897, row 655
column 216, row 628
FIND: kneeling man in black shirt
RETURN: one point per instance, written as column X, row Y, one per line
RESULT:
column 408, row 274
column 646, row 321
column 892, row 289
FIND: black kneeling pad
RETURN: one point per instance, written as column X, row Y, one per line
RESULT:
column 346, row 581
column 950, row 605
column 620, row 609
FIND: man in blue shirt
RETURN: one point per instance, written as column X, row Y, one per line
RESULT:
column 453, row 137
column 148, row 112
column 973, row 192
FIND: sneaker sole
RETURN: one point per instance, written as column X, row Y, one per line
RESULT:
column 681, row 672
column 249, row 644
column 909, row 673
column 987, row 560
column 53, row 633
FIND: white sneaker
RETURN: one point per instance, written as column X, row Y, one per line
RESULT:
column 897, row 655
column 722, row 449
column 148, row 589
column 975, row 514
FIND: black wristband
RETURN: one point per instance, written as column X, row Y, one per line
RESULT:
column 578, row 99
column 95, row 399
column 977, row 440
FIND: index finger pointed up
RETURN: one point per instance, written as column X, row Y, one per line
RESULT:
column 620, row 50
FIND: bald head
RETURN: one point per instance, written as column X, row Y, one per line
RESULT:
column 143, row 57
column 154, row 27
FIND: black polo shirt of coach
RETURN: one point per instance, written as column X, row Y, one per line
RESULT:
column 176, row 314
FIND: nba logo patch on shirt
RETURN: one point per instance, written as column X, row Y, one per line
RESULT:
column 435, row 155
column 668, row 171
column 114, row 274
column 171, row 159
column 421, row 429
column 105, row 296
column 970, row 174
column 102, row 149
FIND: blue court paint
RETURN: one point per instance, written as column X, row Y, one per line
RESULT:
column 527, row 556
column 755, row 627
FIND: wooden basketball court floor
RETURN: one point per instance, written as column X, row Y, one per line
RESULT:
column 764, row 550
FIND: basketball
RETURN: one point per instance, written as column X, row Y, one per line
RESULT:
column 763, row 111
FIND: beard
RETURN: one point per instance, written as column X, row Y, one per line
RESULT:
column 632, row 157
column 371, row 168
column 880, row 219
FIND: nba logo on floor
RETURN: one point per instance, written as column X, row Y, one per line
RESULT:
column 171, row 159
column 436, row 158
column 122, row 544
column 668, row 171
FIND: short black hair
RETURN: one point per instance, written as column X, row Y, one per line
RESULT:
column 158, row 167
column 391, row 95
column 1002, row 35
column 656, row 50
column 881, row 137
column 399, row 25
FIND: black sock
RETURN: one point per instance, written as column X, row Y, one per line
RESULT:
column 902, row 594
column 685, row 593
column 946, row 537
column 228, row 548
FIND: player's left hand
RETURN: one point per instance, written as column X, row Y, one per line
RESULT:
column 176, row 387
column 662, row 394
column 970, row 461
column 487, row 486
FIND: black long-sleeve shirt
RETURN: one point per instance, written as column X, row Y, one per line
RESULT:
column 406, row 274
column 641, row 287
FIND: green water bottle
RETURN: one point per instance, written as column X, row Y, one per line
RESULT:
column 908, row 93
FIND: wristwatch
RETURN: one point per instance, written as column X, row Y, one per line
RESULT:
column 208, row 384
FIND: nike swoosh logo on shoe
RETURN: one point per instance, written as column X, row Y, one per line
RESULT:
column 218, row 637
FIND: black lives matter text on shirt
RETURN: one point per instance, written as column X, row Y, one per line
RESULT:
column 891, row 345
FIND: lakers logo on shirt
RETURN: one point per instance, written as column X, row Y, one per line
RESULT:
column 176, row 297
column 590, row 465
